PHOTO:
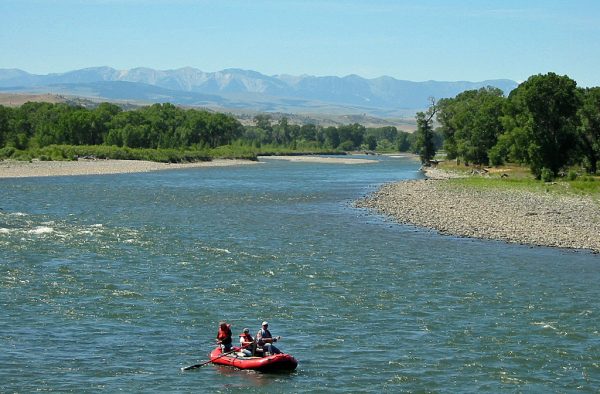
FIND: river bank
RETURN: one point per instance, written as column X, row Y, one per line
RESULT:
column 36, row 168
column 25, row 169
column 514, row 216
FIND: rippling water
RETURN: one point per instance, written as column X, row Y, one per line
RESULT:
column 115, row 282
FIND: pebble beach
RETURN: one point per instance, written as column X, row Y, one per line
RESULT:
column 36, row 168
column 512, row 216
column 24, row 169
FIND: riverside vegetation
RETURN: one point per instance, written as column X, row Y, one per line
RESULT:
column 166, row 133
column 546, row 124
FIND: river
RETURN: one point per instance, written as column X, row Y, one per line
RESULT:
column 114, row 282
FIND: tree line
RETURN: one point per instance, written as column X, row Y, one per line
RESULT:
column 168, row 127
column 547, row 123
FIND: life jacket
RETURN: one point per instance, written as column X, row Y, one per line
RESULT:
column 225, row 335
column 246, row 337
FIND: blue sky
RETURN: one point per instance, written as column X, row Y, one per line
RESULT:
column 413, row 40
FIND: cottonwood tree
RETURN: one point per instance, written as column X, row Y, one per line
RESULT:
column 589, row 131
column 542, row 122
column 425, row 142
column 471, row 123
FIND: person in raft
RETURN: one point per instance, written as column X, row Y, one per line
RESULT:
column 247, row 343
column 265, row 340
column 224, row 337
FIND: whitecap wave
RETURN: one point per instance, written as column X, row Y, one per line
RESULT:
column 544, row 325
column 41, row 230
column 216, row 250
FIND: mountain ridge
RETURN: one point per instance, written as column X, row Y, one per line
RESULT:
column 239, row 88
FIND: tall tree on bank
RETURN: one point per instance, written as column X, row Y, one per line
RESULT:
column 425, row 144
column 471, row 123
column 589, row 114
column 545, row 108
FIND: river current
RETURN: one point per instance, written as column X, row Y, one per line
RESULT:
column 113, row 282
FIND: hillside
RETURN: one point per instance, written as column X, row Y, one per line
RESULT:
column 244, row 90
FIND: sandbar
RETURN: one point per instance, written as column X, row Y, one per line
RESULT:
column 321, row 159
column 35, row 168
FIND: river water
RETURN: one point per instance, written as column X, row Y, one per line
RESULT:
column 114, row 282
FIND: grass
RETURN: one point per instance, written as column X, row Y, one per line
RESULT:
column 519, row 178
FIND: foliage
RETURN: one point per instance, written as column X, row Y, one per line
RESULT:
column 73, row 152
column 545, row 123
column 425, row 143
column 546, row 175
column 541, row 122
column 589, row 131
column 471, row 124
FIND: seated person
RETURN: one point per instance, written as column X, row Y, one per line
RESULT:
column 224, row 337
column 247, row 343
column 265, row 340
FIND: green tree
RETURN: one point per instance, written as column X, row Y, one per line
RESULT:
column 542, row 114
column 425, row 138
column 403, row 141
column 332, row 137
column 371, row 142
column 589, row 131
column 5, row 118
column 471, row 123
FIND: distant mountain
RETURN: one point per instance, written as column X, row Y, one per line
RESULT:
column 245, row 89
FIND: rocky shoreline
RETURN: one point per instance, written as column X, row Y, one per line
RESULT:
column 507, row 215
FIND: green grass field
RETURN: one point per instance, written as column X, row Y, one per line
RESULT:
column 519, row 178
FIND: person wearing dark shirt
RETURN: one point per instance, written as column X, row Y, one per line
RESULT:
column 224, row 336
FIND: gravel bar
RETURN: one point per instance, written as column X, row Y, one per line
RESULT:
column 524, row 217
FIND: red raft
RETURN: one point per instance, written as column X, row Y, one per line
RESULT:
column 272, row 363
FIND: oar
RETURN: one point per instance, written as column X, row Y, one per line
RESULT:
column 210, row 361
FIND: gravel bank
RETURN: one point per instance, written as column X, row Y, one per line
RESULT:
column 507, row 215
column 321, row 159
column 21, row 169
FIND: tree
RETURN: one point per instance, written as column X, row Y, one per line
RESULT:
column 471, row 123
column 589, row 131
column 542, row 115
column 425, row 144
column 403, row 141
column 332, row 137
column 371, row 142
column 5, row 116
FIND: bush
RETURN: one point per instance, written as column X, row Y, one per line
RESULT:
column 546, row 175
column 8, row 152
column 572, row 175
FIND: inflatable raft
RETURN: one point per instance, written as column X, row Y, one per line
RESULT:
column 272, row 363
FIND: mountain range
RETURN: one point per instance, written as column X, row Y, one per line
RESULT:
column 237, row 89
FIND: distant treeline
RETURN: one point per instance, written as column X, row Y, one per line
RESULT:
column 547, row 123
column 35, row 127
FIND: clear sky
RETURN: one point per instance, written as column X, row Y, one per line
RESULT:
column 446, row 40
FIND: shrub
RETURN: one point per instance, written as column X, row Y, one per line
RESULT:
column 7, row 152
column 546, row 175
column 572, row 175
